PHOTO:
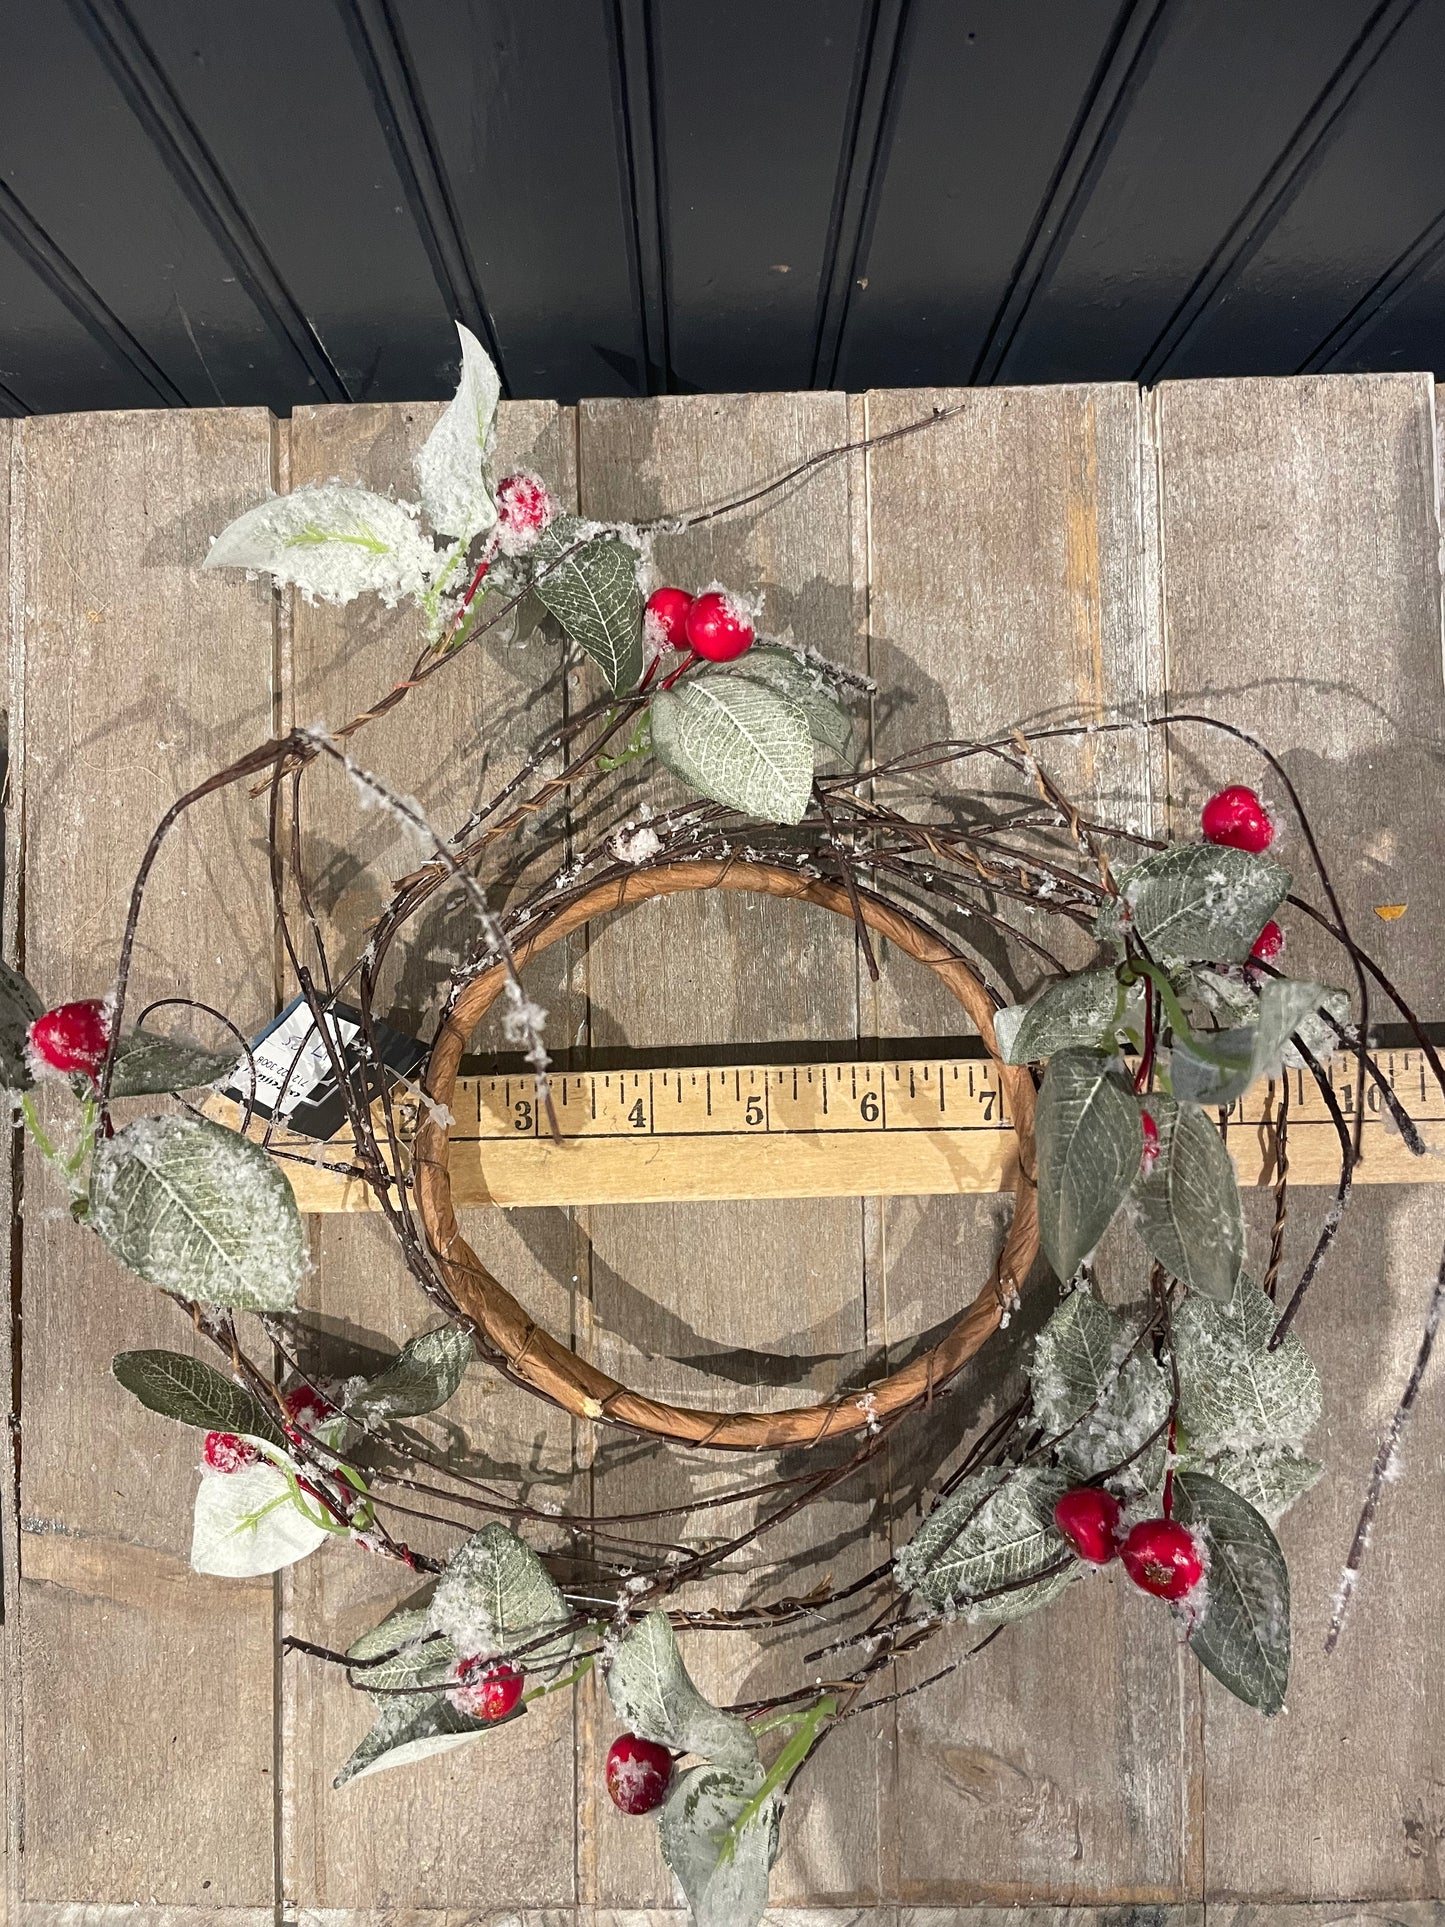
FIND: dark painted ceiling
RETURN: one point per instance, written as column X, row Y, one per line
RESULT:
column 284, row 201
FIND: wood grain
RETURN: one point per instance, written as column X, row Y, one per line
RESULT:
column 134, row 675
column 1302, row 590
column 1009, row 581
column 393, row 1840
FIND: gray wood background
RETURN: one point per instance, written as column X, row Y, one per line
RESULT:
column 1271, row 548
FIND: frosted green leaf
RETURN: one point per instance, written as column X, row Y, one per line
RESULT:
column 452, row 466
column 200, row 1211
column 1319, row 1037
column 1202, row 901
column 793, row 676
column 1270, row 1481
column 1089, row 1141
column 737, row 742
column 332, row 541
column 247, row 1523
column 590, row 586
column 1072, row 1012
column 422, row 1377
column 408, row 1729
column 1234, row 1393
column 1188, row 1211
column 19, row 1007
column 400, row 1652
column 1100, row 1407
column 1243, row 1637
column 996, row 1530
column 195, row 1393
column 702, row 1806
column 147, row 1064
column 495, row 1596
column 653, row 1695
column 1216, row 1067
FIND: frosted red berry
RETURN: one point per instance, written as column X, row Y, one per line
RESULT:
column 1088, row 1517
column 524, row 507
column 225, row 1452
column 1161, row 1556
column 1268, row 944
column 71, row 1039
column 488, row 1689
column 1151, row 1144
column 666, row 616
column 638, row 1772
column 718, row 627
column 1237, row 818
column 307, row 1408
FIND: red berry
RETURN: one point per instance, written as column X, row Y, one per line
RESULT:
column 71, row 1039
column 1268, row 944
column 1161, row 1557
column 1151, row 1144
column 224, row 1452
column 666, row 617
column 718, row 627
column 638, row 1772
column 307, row 1408
column 488, row 1689
column 1236, row 817
column 1088, row 1517
column 524, row 508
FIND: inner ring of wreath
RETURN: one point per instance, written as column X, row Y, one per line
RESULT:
column 553, row 1370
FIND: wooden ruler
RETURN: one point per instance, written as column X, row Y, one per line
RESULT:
column 888, row 1129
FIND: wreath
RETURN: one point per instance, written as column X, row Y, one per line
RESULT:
column 1168, row 1403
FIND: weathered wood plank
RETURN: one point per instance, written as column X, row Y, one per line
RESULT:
column 1010, row 582
column 11, row 589
column 747, row 1302
column 1302, row 592
column 147, row 1735
column 395, row 1840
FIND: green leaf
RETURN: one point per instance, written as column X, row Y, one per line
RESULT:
column 737, row 742
column 1082, row 1389
column 654, row 1696
column 593, row 593
column 399, row 1652
column 200, row 1211
column 1243, row 1637
column 995, row 1530
column 147, row 1064
column 409, row 1729
column 331, row 542
column 1188, row 1211
column 1252, row 1052
column 1071, row 1012
column 247, row 1523
column 452, row 464
column 422, row 1377
column 1234, row 1393
column 1270, row 1481
column 694, row 1824
column 187, row 1389
column 19, row 1008
column 1202, row 901
column 1089, row 1142
column 495, row 1596
column 793, row 676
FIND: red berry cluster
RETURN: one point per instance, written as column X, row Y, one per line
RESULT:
column 1159, row 1555
column 524, row 508
column 714, row 625
column 225, row 1452
column 71, row 1040
column 307, row 1408
column 638, row 1773
column 487, row 1689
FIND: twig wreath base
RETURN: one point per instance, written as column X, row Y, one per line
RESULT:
column 556, row 1371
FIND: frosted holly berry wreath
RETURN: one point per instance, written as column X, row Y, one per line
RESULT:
column 1165, row 1415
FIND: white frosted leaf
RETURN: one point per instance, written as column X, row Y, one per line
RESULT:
column 1234, row 1393
column 1096, row 1392
column 980, row 1551
column 422, row 1377
column 1089, row 1141
column 1202, row 901
column 1072, row 1012
column 331, row 541
column 495, row 1596
column 722, row 1890
column 791, row 675
column 408, row 1729
column 1188, row 1210
column 590, row 585
column 737, row 742
column 1216, row 1067
column 200, row 1211
column 247, row 1523
column 402, row 1652
column 653, row 1694
column 453, row 465
column 147, row 1064
column 1244, row 1635
column 1270, row 1481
